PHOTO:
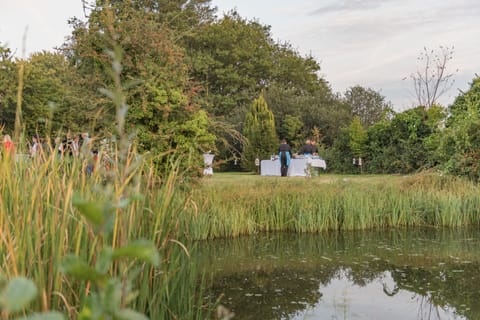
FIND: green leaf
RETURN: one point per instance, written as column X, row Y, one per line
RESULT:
column 129, row 314
column 78, row 269
column 53, row 315
column 17, row 294
column 104, row 260
column 112, row 295
column 140, row 249
column 90, row 210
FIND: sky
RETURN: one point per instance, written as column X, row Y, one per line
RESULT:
column 372, row 43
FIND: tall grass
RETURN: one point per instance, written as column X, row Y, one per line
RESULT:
column 222, row 208
column 39, row 226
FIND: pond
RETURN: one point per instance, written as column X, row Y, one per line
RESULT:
column 396, row 274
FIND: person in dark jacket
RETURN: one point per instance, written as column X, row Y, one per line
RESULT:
column 307, row 149
column 285, row 154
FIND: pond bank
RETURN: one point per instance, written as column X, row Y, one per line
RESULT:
column 231, row 205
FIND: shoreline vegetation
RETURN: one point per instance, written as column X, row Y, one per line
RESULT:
column 40, row 225
column 230, row 205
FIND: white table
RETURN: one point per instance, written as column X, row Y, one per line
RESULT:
column 297, row 168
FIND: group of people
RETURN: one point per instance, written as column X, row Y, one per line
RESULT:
column 38, row 148
column 67, row 146
column 285, row 153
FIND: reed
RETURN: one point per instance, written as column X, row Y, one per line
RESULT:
column 252, row 204
column 39, row 226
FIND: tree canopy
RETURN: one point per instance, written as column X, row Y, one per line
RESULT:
column 195, row 82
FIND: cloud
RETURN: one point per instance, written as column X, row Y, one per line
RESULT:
column 349, row 5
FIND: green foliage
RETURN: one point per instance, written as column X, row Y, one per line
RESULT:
column 291, row 130
column 162, row 107
column 17, row 294
column 465, row 103
column 232, row 59
column 237, row 205
column 405, row 143
column 460, row 141
column 369, row 105
column 358, row 137
column 8, row 89
column 315, row 108
column 112, row 294
column 51, row 102
column 259, row 129
column 339, row 156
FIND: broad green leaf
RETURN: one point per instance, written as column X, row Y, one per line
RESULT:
column 53, row 315
column 129, row 314
column 140, row 249
column 17, row 294
column 104, row 260
column 77, row 268
column 91, row 210
column 112, row 295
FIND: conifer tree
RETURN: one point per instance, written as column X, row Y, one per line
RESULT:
column 259, row 130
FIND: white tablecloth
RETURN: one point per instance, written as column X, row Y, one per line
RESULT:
column 297, row 167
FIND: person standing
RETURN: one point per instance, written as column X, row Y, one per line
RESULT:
column 76, row 146
column 36, row 150
column 8, row 146
column 285, row 154
column 314, row 148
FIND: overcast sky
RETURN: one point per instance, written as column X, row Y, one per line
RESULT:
column 373, row 43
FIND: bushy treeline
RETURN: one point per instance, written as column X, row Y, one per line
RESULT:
column 419, row 138
column 190, row 78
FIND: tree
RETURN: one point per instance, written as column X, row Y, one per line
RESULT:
column 465, row 103
column 8, row 89
column 404, row 143
column 232, row 60
column 259, row 130
column 163, row 110
column 459, row 144
column 291, row 130
column 432, row 80
column 52, row 100
column 369, row 105
column 358, row 137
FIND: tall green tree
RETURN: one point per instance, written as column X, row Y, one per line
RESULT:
column 367, row 104
column 232, row 60
column 52, row 100
column 358, row 137
column 291, row 129
column 319, row 109
column 259, row 130
column 8, row 89
column 162, row 107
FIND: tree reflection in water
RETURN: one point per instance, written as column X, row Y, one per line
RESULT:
column 416, row 274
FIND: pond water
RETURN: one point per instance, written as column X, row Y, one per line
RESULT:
column 396, row 274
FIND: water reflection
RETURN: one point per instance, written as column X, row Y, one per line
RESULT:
column 416, row 274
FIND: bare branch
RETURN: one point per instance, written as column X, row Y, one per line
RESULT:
column 432, row 80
